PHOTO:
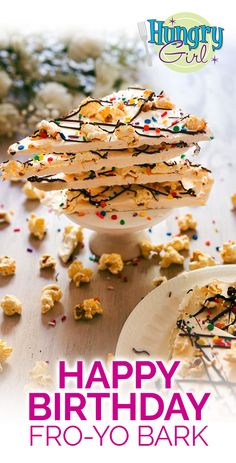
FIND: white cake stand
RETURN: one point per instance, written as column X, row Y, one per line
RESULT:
column 122, row 234
column 119, row 232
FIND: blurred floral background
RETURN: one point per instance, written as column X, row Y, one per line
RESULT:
column 42, row 77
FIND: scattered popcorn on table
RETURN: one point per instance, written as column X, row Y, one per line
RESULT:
column 47, row 261
column 5, row 352
column 187, row 222
column 179, row 243
column 72, row 236
column 49, row 295
column 158, row 281
column 147, row 248
column 170, row 256
column 11, row 305
column 233, row 200
column 31, row 192
column 5, row 217
column 87, row 309
column 228, row 252
column 37, row 226
column 7, row 266
column 112, row 262
column 200, row 259
column 78, row 273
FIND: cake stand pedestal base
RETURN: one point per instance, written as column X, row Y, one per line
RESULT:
column 127, row 244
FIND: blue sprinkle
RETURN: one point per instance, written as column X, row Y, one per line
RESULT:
column 195, row 236
column 168, row 234
column 147, row 121
column 62, row 136
column 103, row 213
column 21, row 147
column 154, row 119
column 218, row 248
column 150, row 230
column 58, row 230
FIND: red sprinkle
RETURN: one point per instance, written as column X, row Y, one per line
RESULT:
column 146, row 127
column 207, row 243
column 164, row 114
column 100, row 215
column 50, row 159
column 114, row 216
column 103, row 203
column 63, row 318
column 157, row 130
column 43, row 134
column 16, row 230
column 174, row 194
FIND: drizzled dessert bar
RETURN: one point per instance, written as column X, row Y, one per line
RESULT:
column 123, row 152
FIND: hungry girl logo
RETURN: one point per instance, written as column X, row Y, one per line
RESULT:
column 185, row 42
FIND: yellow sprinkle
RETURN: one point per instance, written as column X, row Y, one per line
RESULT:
column 131, row 101
column 201, row 342
column 76, row 132
column 142, row 214
column 215, row 339
column 41, row 157
column 169, row 197
column 165, row 121
column 127, row 119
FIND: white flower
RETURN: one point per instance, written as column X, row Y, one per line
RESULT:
column 54, row 96
column 81, row 48
column 5, row 83
column 9, row 119
column 106, row 75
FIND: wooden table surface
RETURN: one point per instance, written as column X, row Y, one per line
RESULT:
column 30, row 335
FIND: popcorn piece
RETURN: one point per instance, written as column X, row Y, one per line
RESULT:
column 199, row 260
column 146, row 248
column 11, row 305
column 158, row 281
column 78, row 273
column 37, row 226
column 180, row 243
column 72, row 236
column 170, row 256
column 40, row 376
column 31, row 192
column 233, row 200
column 187, row 222
column 92, row 132
column 7, row 266
column 89, row 108
column 87, row 309
column 50, row 294
column 126, row 133
column 5, row 217
column 112, row 262
column 228, row 252
column 5, row 352
column 47, row 261
column 195, row 123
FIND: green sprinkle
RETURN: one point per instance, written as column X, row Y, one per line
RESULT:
column 210, row 327
column 36, row 158
column 61, row 205
column 113, row 168
column 212, row 138
column 122, row 222
column 80, row 115
column 84, row 138
column 182, row 156
column 176, row 128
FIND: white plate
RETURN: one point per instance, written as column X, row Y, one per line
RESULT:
column 150, row 324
